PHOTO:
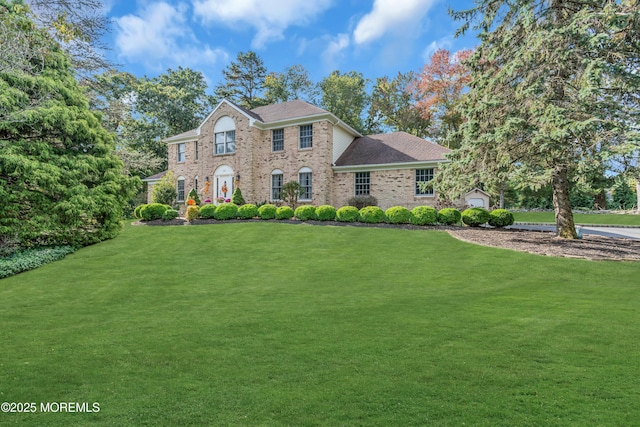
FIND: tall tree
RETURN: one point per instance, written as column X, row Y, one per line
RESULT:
column 394, row 106
column 143, row 111
column 293, row 83
column 439, row 89
column 345, row 95
column 60, row 182
column 244, row 81
column 551, row 81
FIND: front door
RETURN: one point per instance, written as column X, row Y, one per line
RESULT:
column 223, row 183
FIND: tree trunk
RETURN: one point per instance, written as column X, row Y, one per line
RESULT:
column 502, row 195
column 565, row 227
column 600, row 200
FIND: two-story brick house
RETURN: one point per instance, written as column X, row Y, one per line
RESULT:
column 260, row 150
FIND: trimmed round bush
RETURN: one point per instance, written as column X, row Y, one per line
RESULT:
column 475, row 217
column 247, row 211
column 347, row 214
column 170, row 214
column 192, row 213
column 226, row 211
column 449, row 216
column 500, row 218
column 305, row 212
column 267, row 211
column 284, row 212
column 152, row 211
column 136, row 211
column 207, row 211
column 325, row 213
column 371, row 215
column 398, row 215
column 424, row 215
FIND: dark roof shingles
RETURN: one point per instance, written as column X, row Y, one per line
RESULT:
column 397, row 147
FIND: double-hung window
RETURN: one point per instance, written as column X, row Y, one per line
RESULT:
column 422, row 176
column 306, row 136
column 181, row 152
column 362, row 183
column 180, row 197
column 225, row 142
column 305, row 180
column 277, row 140
column 276, row 184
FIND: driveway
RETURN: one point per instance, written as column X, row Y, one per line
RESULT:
column 620, row 232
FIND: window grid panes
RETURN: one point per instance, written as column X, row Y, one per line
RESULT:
column 304, row 178
column 181, row 153
column 276, row 186
column 197, row 150
column 225, row 142
column 423, row 175
column 362, row 183
column 195, row 184
column 180, row 190
column 277, row 140
column 306, row 136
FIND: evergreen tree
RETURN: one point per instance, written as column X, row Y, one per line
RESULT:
column 60, row 182
column 244, row 81
column 164, row 191
column 551, row 81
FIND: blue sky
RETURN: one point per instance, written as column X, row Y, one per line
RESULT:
column 374, row 37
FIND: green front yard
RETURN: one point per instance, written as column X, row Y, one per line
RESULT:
column 580, row 218
column 278, row 324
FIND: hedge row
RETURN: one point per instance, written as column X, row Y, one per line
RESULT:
column 421, row 215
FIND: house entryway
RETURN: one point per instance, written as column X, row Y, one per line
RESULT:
column 223, row 182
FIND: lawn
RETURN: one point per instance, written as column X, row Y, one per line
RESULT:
column 581, row 218
column 270, row 324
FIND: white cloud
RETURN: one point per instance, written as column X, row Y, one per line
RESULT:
column 391, row 17
column 270, row 18
column 159, row 36
column 334, row 48
column 443, row 43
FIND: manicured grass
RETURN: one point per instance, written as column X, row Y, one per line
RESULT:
column 277, row 324
column 580, row 218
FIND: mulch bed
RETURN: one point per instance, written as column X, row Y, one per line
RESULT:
column 535, row 242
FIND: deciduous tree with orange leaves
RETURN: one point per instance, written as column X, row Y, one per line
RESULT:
column 438, row 90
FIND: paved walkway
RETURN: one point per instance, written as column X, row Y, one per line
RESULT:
column 620, row 232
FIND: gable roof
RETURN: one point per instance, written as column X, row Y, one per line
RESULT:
column 396, row 147
column 269, row 116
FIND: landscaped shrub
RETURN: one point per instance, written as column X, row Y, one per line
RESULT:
column 325, row 213
column 170, row 214
column 347, row 214
column 500, row 218
column 192, row 213
column 398, row 215
column 305, row 212
column 207, row 211
column 136, row 211
column 247, row 211
column 362, row 201
column 475, row 217
column 236, row 197
column 284, row 212
column 226, row 211
column 152, row 211
column 31, row 258
column 424, row 215
column 371, row 215
column 267, row 211
column 193, row 195
column 449, row 216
